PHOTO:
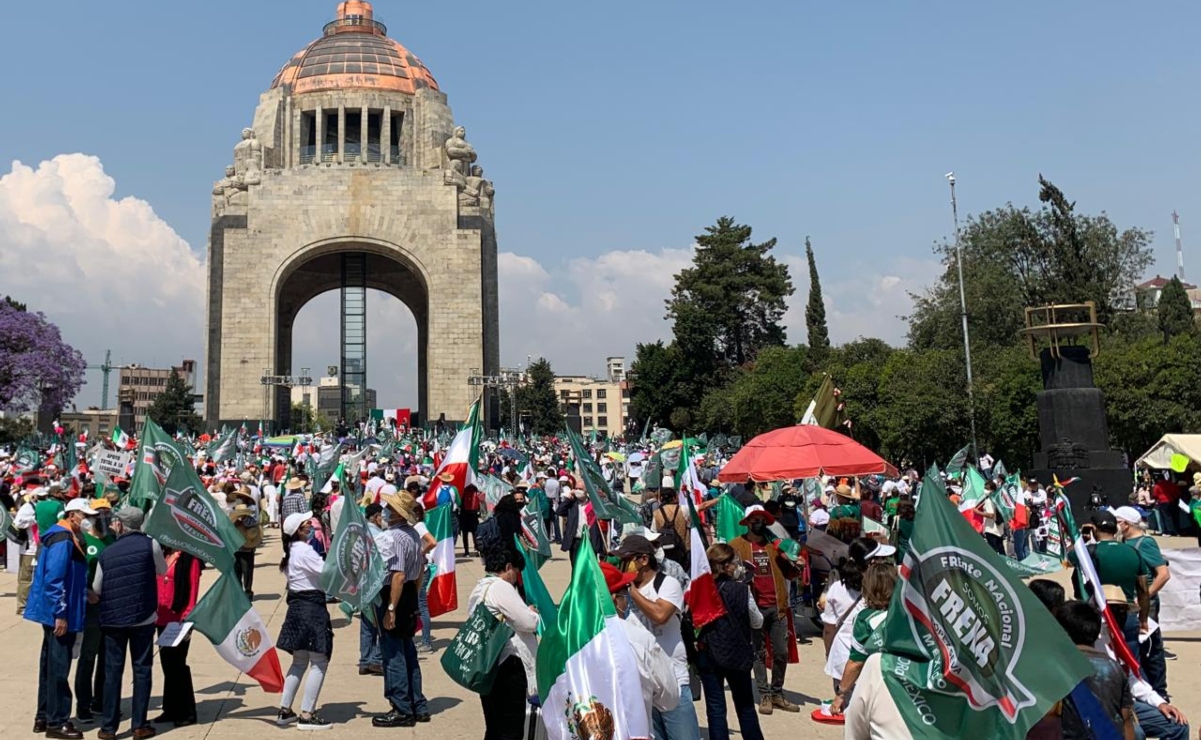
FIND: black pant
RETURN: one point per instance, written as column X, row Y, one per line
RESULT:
column 504, row 708
column 244, row 570
column 54, row 671
column 140, row 643
column 179, row 698
column 996, row 542
column 89, row 671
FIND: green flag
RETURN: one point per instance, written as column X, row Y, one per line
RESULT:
column 973, row 489
column 158, row 455
column 729, row 514
column 969, row 651
column 26, row 459
column 187, row 518
column 354, row 569
column 606, row 503
column 535, row 589
column 325, row 464
column 958, row 462
column 224, row 447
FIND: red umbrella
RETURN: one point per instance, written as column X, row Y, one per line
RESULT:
column 805, row 451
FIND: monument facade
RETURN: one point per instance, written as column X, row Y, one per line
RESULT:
column 352, row 176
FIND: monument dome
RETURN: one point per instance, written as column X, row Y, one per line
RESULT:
column 354, row 52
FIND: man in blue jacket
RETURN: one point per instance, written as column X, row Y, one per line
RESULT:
column 57, row 601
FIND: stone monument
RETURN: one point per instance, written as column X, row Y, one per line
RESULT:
column 1072, row 429
column 351, row 176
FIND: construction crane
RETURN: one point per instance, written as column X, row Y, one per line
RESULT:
column 106, row 368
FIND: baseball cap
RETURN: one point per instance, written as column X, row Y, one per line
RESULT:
column 294, row 521
column 1128, row 514
column 633, row 546
column 80, row 505
column 1105, row 521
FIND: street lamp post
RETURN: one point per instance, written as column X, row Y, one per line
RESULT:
column 967, row 346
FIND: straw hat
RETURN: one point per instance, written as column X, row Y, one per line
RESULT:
column 846, row 491
column 294, row 484
column 402, row 503
column 244, row 494
column 447, row 478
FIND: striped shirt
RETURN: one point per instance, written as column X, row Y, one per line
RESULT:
column 405, row 555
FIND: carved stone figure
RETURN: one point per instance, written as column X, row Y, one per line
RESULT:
column 225, row 188
column 478, row 191
column 248, row 158
column 459, row 156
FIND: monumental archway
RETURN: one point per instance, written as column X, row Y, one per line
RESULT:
column 353, row 177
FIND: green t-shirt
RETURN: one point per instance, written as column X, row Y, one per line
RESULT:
column 47, row 512
column 1149, row 549
column 904, row 533
column 92, row 547
column 845, row 511
column 866, row 623
column 1117, row 565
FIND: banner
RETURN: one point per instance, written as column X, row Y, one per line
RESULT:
column 158, row 455
column 354, row 571
column 188, row 519
column 1179, row 605
column 112, row 463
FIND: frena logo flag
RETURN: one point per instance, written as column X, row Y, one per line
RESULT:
column 354, row 570
column 187, row 518
column 227, row 619
column 969, row 651
column 443, row 592
column 157, row 455
column 586, row 667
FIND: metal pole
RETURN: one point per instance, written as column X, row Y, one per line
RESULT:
column 967, row 346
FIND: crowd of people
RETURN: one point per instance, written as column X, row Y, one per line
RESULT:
column 98, row 585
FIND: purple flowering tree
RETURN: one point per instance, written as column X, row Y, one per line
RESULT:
column 36, row 365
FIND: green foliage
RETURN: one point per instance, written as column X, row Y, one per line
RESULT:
column 15, row 429
column 923, row 410
column 1150, row 389
column 174, row 409
column 815, row 313
column 762, row 394
column 536, row 400
column 1007, row 383
column 15, row 303
column 305, row 419
column 1175, row 311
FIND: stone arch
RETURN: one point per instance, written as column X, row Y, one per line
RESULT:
column 316, row 268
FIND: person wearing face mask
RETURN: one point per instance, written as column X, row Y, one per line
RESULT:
column 89, row 673
column 725, row 652
column 1119, row 565
column 658, row 602
column 770, row 573
column 572, row 509
column 504, row 707
column 1133, row 534
column 57, row 599
column 657, row 677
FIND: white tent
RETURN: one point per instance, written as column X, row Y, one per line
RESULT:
column 1160, row 454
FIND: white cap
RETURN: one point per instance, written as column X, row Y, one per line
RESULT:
column 80, row 505
column 294, row 522
column 40, row 492
column 1128, row 514
column 667, row 482
column 881, row 551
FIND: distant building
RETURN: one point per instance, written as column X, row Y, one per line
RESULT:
column 1146, row 294
column 99, row 424
column 603, row 403
column 326, row 397
column 145, row 383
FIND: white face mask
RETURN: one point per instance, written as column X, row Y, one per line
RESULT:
column 739, row 572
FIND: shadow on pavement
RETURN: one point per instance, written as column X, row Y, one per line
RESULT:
column 442, row 703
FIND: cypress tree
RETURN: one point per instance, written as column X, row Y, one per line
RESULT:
column 815, row 314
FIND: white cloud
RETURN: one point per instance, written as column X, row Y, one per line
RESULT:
column 113, row 275
column 109, row 272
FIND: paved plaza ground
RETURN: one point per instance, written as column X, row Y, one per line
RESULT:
column 232, row 706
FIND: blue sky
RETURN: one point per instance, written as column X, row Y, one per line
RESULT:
column 624, row 127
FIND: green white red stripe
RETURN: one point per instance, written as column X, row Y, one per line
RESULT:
column 121, row 439
column 461, row 459
column 702, row 596
column 227, row 619
column 586, row 666
column 443, row 593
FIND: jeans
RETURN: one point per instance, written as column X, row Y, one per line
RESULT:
column 316, row 664
column 89, row 671
column 54, row 685
column 244, row 570
column 1152, row 723
column 1021, row 543
column 504, row 708
column 179, row 696
column 679, row 723
column 369, row 649
column 423, row 604
column 775, row 628
column 140, row 642
column 402, row 674
column 741, row 690
column 1130, row 634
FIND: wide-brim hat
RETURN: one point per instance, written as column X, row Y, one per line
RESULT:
column 757, row 510
column 402, row 503
column 447, row 477
column 244, row 494
column 521, row 485
column 847, row 492
column 294, row 484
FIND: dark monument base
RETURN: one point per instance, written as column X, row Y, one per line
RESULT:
column 1114, row 485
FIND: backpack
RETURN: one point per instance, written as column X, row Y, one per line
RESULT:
column 687, row 629
column 672, row 544
column 487, row 535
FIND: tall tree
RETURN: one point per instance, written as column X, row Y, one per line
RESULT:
column 36, row 366
column 732, row 296
column 174, row 409
column 654, row 383
column 538, row 400
column 1014, row 258
column 815, row 313
column 1175, row 311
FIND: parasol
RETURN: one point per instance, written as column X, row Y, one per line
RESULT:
column 805, row 451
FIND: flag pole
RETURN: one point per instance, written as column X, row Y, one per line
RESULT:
column 967, row 347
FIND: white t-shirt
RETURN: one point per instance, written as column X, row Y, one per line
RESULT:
column 551, row 487
column 304, row 568
column 373, row 486
column 656, row 670
column 667, row 634
column 840, row 600
column 992, row 526
column 422, row 531
column 872, row 713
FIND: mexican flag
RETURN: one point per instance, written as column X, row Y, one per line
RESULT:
column 122, row 440
column 702, row 596
column 227, row 619
column 443, row 592
column 968, row 651
column 586, row 664
column 461, row 459
column 729, row 514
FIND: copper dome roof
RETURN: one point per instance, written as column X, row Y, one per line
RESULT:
column 354, row 53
